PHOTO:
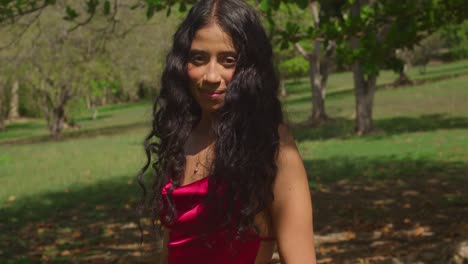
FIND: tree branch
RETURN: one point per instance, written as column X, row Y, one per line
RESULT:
column 4, row 12
column 23, row 31
column 302, row 51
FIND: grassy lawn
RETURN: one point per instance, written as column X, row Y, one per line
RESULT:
column 402, row 189
column 110, row 119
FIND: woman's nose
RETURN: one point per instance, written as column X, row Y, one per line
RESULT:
column 212, row 74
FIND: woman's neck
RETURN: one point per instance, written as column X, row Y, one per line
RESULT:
column 204, row 126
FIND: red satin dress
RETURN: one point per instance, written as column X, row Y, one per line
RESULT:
column 188, row 243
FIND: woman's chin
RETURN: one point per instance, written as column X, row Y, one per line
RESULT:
column 211, row 109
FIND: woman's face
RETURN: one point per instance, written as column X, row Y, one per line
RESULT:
column 212, row 62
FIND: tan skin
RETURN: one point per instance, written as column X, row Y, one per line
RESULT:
column 289, row 218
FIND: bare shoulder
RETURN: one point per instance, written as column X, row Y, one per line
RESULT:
column 291, row 209
column 286, row 135
column 288, row 154
column 290, row 168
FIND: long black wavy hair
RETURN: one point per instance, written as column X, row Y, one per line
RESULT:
column 245, row 127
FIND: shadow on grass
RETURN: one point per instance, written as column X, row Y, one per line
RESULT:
column 95, row 224
column 381, row 168
column 90, row 118
column 342, row 93
column 81, row 133
column 449, row 71
column 344, row 128
column 330, row 95
column 25, row 125
column 367, row 208
column 114, row 107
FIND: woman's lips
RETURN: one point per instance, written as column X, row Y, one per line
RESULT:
column 211, row 94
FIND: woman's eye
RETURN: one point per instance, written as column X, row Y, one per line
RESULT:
column 197, row 59
column 230, row 61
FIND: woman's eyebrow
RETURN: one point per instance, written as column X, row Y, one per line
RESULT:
column 222, row 53
column 228, row 53
column 194, row 51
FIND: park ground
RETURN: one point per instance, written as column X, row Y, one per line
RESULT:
column 396, row 196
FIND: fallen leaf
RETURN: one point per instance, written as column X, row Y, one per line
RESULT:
column 417, row 232
column 76, row 234
column 410, row 193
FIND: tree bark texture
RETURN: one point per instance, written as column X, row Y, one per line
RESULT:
column 318, row 91
column 14, row 101
column 283, row 91
column 364, row 89
column 2, row 107
column 57, row 121
column 318, row 72
column 54, row 110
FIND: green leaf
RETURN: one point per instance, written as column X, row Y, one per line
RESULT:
column 182, row 7
column 107, row 7
column 168, row 11
column 150, row 11
column 276, row 4
column 91, row 6
column 265, row 6
column 284, row 44
column 71, row 14
column 135, row 6
column 303, row 4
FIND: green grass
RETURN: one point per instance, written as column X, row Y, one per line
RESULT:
column 422, row 122
column 447, row 97
column 86, row 181
column 29, row 169
column 110, row 118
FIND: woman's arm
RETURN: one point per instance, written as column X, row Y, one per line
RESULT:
column 292, row 207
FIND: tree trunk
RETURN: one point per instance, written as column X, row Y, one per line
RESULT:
column 2, row 107
column 57, row 122
column 364, row 90
column 54, row 110
column 403, row 78
column 317, row 82
column 283, row 91
column 14, row 101
column 318, row 91
column 95, row 113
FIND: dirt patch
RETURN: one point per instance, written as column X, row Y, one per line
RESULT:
column 385, row 221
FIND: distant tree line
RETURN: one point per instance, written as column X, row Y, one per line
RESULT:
column 108, row 51
column 55, row 66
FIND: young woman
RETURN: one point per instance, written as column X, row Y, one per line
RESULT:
column 230, row 182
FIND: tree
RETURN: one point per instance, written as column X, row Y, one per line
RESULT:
column 56, row 78
column 14, row 101
column 377, row 29
column 104, row 60
column 3, row 104
column 368, row 33
column 318, row 71
column 84, row 11
column 304, row 37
